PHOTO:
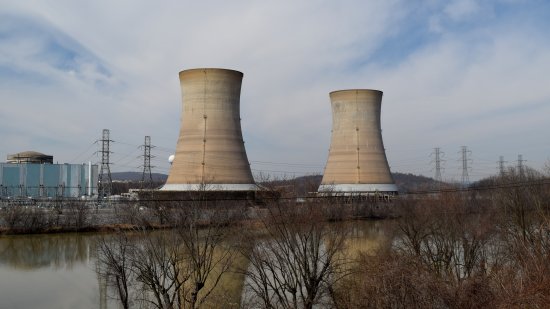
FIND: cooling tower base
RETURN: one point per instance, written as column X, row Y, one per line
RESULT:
column 225, row 198
column 359, row 188
column 209, row 187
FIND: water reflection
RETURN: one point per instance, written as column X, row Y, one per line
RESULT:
column 58, row 271
column 368, row 236
column 28, row 252
column 49, row 271
column 276, row 275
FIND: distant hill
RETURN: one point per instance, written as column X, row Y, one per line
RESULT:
column 405, row 182
column 136, row 176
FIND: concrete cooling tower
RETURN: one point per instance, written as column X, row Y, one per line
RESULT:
column 210, row 153
column 357, row 160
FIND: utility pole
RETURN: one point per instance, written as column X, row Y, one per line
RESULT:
column 147, row 164
column 501, row 165
column 438, row 154
column 465, row 159
column 104, row 179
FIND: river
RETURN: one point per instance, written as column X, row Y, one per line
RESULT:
column 58, row 270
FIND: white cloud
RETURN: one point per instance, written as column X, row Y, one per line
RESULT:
column 459, row 9
column 453, row 86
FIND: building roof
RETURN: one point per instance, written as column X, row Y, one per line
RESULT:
column 30, row 157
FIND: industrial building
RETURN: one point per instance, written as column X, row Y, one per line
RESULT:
column 357, row 161
column 210, row 153
column 32, row 175
column 30, row 157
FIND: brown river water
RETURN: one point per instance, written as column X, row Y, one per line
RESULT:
column 58, row 270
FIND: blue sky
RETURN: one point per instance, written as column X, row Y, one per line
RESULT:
column 453, row 73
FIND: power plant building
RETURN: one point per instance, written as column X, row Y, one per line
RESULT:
column 30, row 157
column 357, row 161
column 45, row 180
column 210, row 153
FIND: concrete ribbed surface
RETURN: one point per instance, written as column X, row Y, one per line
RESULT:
column 356, row 154
column 210, row 147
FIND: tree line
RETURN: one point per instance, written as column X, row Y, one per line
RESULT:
column 475, row 249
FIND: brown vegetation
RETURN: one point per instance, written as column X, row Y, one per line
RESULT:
column 50, row 216
column 485, row 248
column 295, row 259
column 176, row 268
column 457, row 250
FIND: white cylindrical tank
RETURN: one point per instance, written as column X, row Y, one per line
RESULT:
column 210, row 153
column 357, row 159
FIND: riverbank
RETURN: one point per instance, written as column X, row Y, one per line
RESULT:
column 80, row 218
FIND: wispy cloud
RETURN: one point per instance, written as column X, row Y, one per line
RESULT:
column 453, row 73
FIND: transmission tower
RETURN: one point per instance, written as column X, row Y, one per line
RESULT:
column 438, row 154
column 501, row 165
column 147, row 177
column 465, row 159
column 104, row 179
column 520, row 165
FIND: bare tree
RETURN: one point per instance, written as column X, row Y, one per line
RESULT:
column 177, row 268
column 160, row 266
column 14, row 215
column 296, row 263
column 113, row 264
column 149, row 269
column 445, row 236
column 24, row 218
column 523, row 279
column 76, row 214
column 204, row 230
column 128, row 213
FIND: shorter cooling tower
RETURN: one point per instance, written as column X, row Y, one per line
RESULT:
column 357, row 159
column 210, row 153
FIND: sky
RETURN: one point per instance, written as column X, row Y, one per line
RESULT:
column 454, row 73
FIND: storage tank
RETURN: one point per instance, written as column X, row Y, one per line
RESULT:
column 210, row 153
column 357, row 160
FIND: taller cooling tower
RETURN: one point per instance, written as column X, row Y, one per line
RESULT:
column 210, row 153
column 357, row 159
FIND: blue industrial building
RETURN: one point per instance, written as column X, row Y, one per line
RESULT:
column 29, row 179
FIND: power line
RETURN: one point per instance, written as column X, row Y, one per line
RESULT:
column 82, row 153
column 284, row 163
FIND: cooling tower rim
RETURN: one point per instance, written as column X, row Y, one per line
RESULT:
column 209, row 187
column 355, row 187
column 355, row 90
column 190, row 71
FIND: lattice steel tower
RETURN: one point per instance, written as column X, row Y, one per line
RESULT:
column 147, row 177
column 520, row 165
column 437, row 160
column 501, row 165
column 104, row 179
column 465, row 158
